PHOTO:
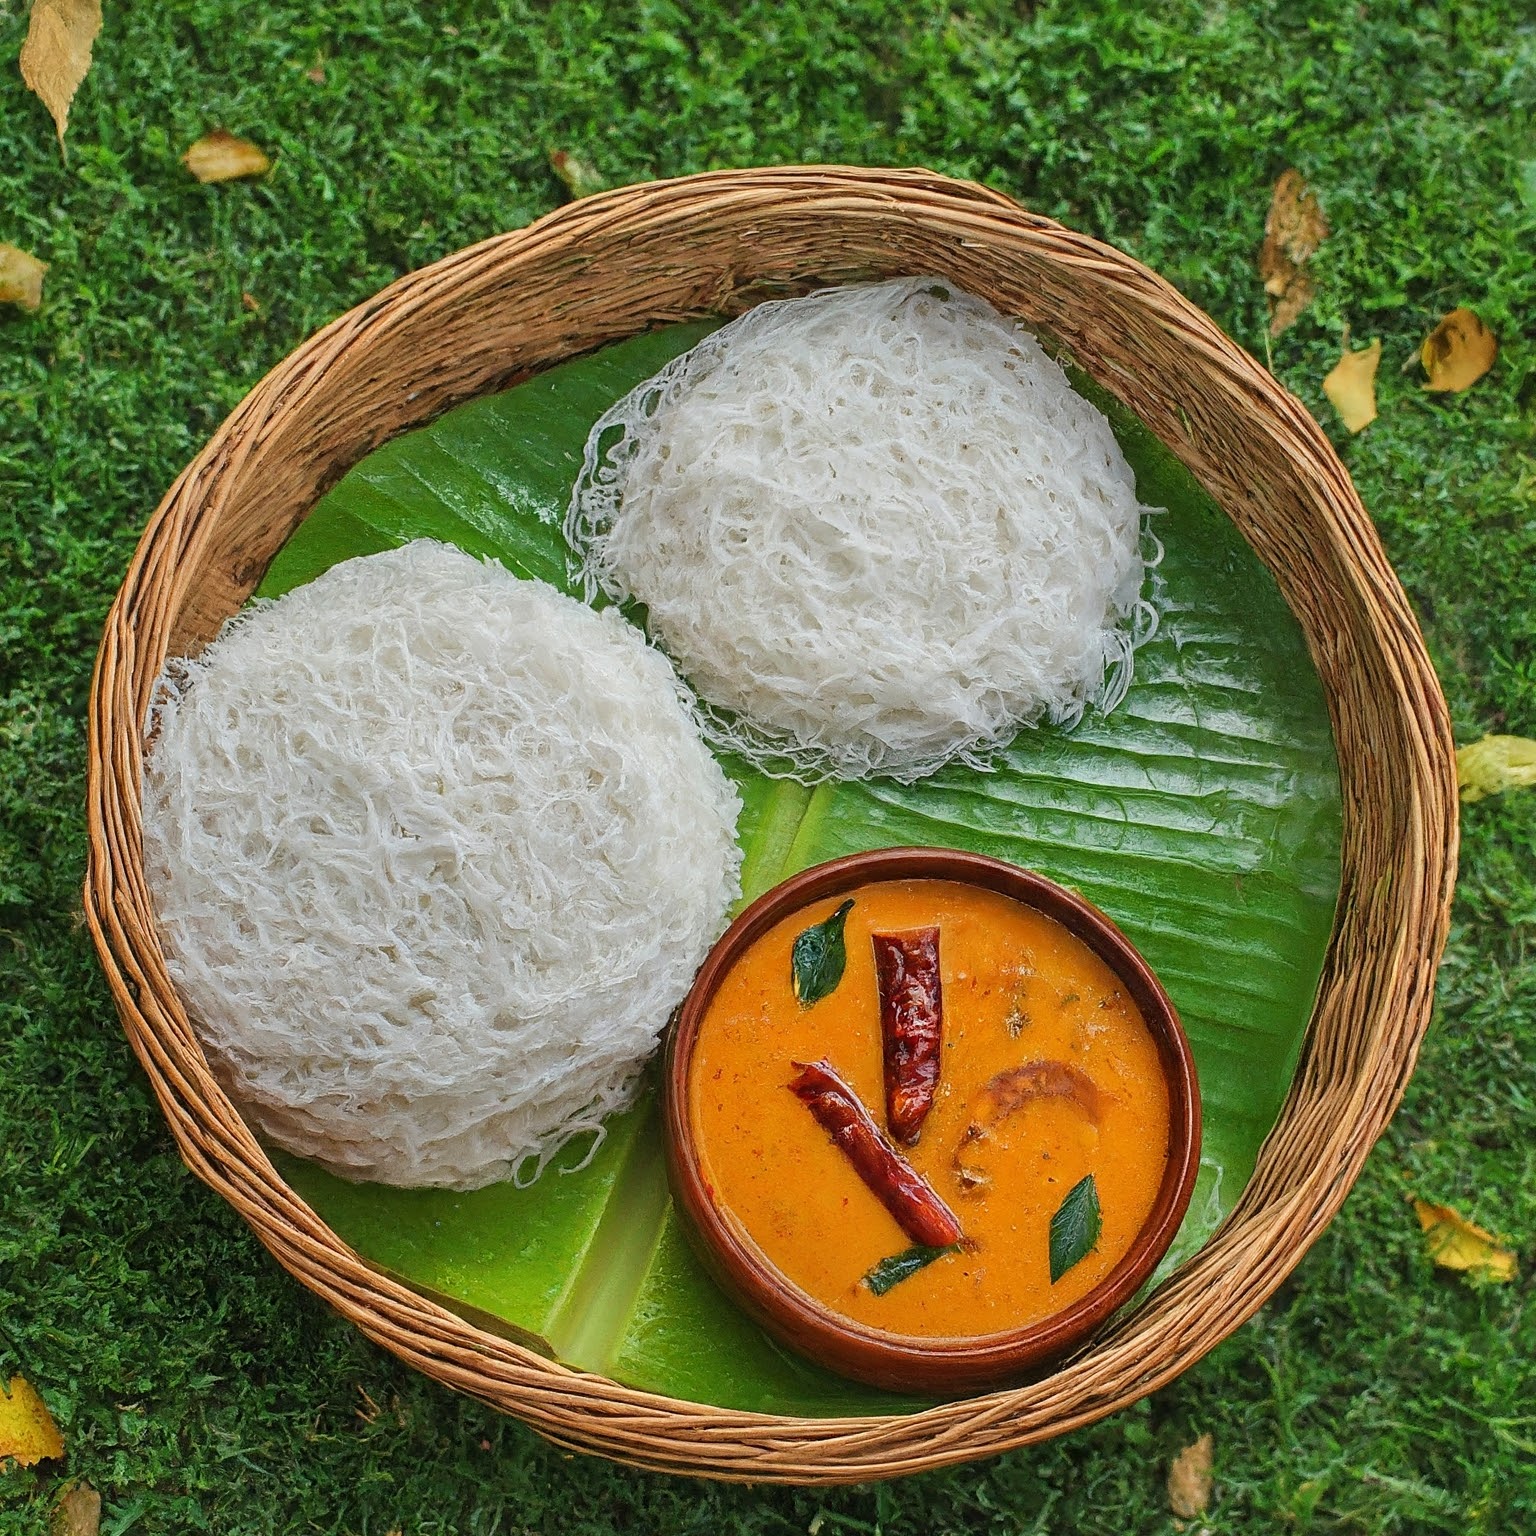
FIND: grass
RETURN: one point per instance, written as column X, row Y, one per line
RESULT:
column 197, row 1386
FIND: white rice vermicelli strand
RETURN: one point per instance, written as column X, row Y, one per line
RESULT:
column 875, row 528
column 435, row 852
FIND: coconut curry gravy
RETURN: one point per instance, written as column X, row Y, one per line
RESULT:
column 1047, row 1074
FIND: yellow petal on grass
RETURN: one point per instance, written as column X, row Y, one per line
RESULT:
column 27, row 1430
column 78, row 1513
column 1351, row 385
column 57, row 53
column 1458, row 352
column 1494, row 764
column 1189, row 1478
column 21, row 277
column 220, row 156
column 1456, row 1243
column 1293, row 230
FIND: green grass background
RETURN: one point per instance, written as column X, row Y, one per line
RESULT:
column 198, row 1387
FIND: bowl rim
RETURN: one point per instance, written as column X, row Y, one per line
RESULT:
column 901, row 1362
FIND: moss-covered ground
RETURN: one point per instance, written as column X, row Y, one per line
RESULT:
column 201, row 1390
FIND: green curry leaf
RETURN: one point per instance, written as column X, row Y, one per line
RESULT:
column 902, row 1266
column 818, row 958
column 1075, row 1227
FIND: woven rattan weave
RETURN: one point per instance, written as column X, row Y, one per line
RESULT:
column 604, row 268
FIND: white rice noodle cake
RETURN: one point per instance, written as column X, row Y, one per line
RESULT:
column 875, row 528
column 435, row 852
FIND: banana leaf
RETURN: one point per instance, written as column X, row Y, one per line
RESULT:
column 1203, row 815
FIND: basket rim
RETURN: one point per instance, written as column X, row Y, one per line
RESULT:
column 588, row 1412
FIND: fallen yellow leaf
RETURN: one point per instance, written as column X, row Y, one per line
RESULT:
column 1495, row 763
column 581, row 178
column 220, row 156
column 1456, row 1243
column 57, row 53
column 1293, row 230
column 1458, row 352
column 1351, row 385
column 27, row 1430
column 1189, row 1478
column 78, row 1513
column 21, row 277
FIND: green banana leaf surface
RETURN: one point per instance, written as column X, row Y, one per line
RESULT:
column 1203, row 814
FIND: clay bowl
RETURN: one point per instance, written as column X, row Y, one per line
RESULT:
column 938, row 1367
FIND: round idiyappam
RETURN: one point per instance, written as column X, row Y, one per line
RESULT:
column 435, row 852
column 875, row 528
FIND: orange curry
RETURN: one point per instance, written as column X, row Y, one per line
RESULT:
column 1047, row 1073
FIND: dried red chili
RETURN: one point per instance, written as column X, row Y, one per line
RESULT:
column 899, row 1187
column 911, row 1025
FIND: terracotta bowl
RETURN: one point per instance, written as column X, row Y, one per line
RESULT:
column 941, row 1367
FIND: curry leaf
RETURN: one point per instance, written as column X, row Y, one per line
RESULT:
column 818, row 958
column 902, row 1266
column 1075, row 1227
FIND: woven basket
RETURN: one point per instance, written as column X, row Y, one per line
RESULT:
column 609, row 266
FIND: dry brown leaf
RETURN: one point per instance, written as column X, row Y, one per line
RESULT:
column 1288, row 308
column 1456, row 1243
column 27, row 1430
column 1495, row 763
column 581, row 178
column 1189, row 1478
column 78, row 1513
column 57, row 53
column 1351, row 385
column 21, row 277
column 1458, row 352
column 1293, row 230
column 220, row 156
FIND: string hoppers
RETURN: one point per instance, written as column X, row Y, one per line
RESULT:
column 435, row 852
column 875, row 528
